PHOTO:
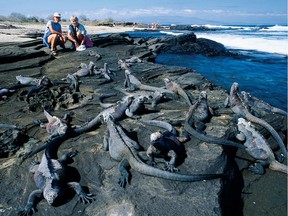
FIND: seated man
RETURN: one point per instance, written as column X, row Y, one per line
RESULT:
column 53, row 35
column 77, row 35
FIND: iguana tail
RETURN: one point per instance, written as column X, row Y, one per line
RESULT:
column 152, row 88
column 210, row 139
column 91, row 125
column 279, row 111
column 275, row 165
column 152, row 171
column 156, row 123
column 102, row 97
column 185, row 96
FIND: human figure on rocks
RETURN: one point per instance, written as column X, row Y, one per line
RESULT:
column 77, row 34
column 53, row 35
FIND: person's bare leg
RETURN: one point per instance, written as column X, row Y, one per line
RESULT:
column 52, row 40
column 61, row 41
column 80, row 37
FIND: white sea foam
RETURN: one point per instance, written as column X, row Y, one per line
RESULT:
column 171, row 33
column 263, row 44
column 248, row 28
column 277, row 28
column 271, row 39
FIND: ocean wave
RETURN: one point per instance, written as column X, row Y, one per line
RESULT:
column 171, row 33
column 222, row 27
column 276, row 28
column 232, row 41
column 279, row 28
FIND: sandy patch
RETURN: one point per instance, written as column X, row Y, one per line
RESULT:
column 15, row 32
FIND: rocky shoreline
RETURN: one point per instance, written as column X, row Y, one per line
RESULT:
column 144, row 195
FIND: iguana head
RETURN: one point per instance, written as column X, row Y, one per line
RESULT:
column 203, row 95
column 155, row 136
column 166, row 80
column 234, row 88
column 50, row 194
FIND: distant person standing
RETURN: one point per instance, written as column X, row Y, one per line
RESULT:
column 77, row 34
column 53, row 35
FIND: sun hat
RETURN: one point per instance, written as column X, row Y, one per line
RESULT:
column 56, row 14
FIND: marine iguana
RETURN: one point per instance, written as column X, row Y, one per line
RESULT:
column 117, row 112
column 60, row 130
column 44, row 84
column 115, row 138
column 200, row 113
column 73, row 82
column 166, row 144
column 123, row 64
column 136, row 107
column 24, row 80
column 152, row 98
column 259, row 149
column 106, row 72
column 5, row 92
column 134, row 84
column 133, row 59
column 95, row 54
column 239, row 107
column 252, row 102
column 175, row 87
column 55, row 125
column 50, row 177
column 85, row 70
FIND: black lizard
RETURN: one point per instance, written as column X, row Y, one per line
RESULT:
column 120, row 151
column 50, row 177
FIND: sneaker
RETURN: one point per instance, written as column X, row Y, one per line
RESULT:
column 53, row 53
column 81, row 48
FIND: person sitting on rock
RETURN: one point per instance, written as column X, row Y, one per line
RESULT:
column 53, row 35
column 77, row 34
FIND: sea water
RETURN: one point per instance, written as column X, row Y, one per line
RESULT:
column 263, row 71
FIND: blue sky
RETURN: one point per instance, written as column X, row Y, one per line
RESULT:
column 160, row 11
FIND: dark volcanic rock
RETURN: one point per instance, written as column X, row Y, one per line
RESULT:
column 190, row 28
column 188, row 43
column 145, row 195
column 185, row 43
column 10, row 141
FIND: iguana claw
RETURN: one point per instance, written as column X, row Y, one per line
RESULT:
column 27, row 211
column 170, row 168
column 86, row 198
column 123, row 180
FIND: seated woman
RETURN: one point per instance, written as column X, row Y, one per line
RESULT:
column 53, row 35
column 77, row 35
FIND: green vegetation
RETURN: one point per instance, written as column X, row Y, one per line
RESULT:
column 18, row 17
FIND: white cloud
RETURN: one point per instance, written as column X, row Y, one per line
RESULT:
column 158, row 11
column 124, row 14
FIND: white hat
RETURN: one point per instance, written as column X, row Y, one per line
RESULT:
column 56, row 14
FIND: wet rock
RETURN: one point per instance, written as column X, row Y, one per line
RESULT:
column 125, row 209
column 10, row 141
column 186, row 43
